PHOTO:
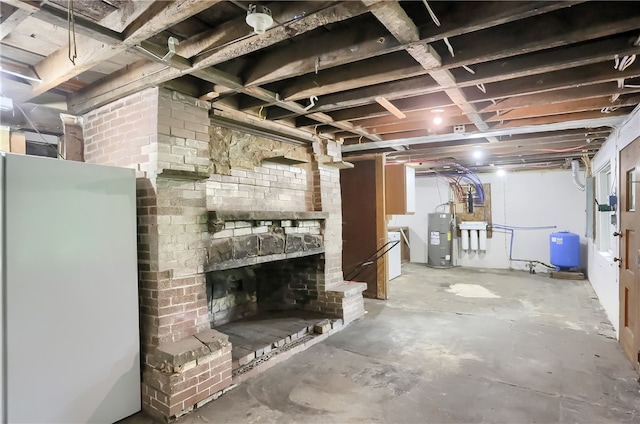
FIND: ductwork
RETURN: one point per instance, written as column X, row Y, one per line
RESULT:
column 575, row 168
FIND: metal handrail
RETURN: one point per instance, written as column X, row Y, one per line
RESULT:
column 371, row 259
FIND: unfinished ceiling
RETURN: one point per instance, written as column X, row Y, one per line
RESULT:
column 532, row 84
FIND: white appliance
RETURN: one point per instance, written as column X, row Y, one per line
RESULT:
column 394, row 255
column 70, row 337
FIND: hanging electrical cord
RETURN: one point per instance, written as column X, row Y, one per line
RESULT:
column 71, row 33
column 449, row 47
column 471, row 71
column 436, row 21
column 431, row 13
column 624, row 63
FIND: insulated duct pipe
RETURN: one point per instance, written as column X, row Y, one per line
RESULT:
column 575, row 168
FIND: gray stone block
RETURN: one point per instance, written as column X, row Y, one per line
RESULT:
column 312, row 241
column 245, row 246
column 220, row 250
column 271, row 244
column 294, row 243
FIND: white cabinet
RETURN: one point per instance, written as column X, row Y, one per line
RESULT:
column 395, row 259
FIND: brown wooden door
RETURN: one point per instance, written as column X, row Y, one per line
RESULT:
column 630, row 251
column 364, row 227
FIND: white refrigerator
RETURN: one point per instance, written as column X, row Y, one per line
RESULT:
column 69, row 299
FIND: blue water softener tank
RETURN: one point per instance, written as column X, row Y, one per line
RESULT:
column 565, row 249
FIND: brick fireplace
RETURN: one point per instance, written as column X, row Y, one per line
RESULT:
column 224, row 231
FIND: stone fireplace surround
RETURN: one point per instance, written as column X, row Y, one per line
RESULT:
column 262, row 260
column 187, row 169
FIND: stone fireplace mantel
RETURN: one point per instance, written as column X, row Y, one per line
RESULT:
column 217, row 216
column 243, row 238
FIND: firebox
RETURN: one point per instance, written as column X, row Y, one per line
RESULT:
column 263, row 261
column 280, row 285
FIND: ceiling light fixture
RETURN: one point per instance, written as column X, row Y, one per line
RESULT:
column 259, row 18
column 437, row 119
column 477, row 154
column 390, row 107
column 500, row 172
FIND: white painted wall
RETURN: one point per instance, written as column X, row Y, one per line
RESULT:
column 603, row 272
column 527, row 199
column 430, row 192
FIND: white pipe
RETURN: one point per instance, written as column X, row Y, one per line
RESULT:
column 483, row 240
column 464, row 239
column 575, row 168
column 474, row 239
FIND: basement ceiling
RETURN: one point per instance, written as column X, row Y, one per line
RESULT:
column 530, row 84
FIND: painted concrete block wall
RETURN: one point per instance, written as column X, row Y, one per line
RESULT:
column 531, row 199
column 603, row 271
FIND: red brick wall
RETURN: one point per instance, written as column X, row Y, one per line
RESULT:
column 124, row 133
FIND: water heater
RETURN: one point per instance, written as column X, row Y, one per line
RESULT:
column 439, row 240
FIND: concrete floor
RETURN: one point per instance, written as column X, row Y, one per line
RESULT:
column 451, row 346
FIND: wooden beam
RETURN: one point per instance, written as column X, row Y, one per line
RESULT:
column 145, row 75
column 336, row 13
column 236, row 29
column 420, row 102
column 333, row 80
column 11, row 19
column 27, row 6
column 582, row 105
column 583, row 76
column 393, row 90
column 557, row 96
column 177, row 65
column 57, row 16
column 470, row 17
column 560, row 118
column 362, row 73
column 163, row 15
column 338, row 47
column 413, row 116
column 424, row 124
column 575, row 77
column 57, row 68
column 401, row 26
column 548, row 61
column 587, row 21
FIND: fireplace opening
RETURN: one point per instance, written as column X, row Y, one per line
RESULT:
column 266, row 307
column 264, row 273
column 285, row 285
